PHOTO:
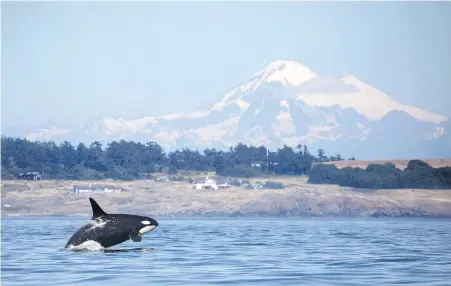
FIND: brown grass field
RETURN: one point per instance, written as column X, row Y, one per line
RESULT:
column 175, row 199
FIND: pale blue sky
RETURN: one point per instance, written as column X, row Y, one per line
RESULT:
column 75, row 61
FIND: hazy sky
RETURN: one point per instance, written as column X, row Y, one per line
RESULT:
column 76, row 61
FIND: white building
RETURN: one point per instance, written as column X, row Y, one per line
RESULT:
column 79, row 189
column 210, row 183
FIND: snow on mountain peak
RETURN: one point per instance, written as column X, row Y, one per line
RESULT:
column 284, row 72
column 367, row 100
column 352, row 80
column 288, row 73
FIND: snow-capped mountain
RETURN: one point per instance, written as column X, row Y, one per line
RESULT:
column 285, row 103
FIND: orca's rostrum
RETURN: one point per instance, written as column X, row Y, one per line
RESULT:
column 112, row 229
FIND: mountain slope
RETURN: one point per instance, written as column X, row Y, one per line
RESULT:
column 285, row 103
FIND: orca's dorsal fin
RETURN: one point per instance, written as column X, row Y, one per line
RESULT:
column 96, row 209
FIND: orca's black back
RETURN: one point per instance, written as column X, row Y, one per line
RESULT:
column 108, row 230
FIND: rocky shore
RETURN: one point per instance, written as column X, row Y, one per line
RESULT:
column 179, row 199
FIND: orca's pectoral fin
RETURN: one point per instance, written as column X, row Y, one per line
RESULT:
column 135, row 236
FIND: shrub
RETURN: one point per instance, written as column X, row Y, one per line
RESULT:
column 418, row 174
column 176, row 178
column 235, row 183
column 273, row 185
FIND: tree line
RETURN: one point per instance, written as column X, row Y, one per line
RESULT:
column 128, row 160
column 418, row 175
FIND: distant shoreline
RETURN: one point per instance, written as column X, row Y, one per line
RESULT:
column 177, row 199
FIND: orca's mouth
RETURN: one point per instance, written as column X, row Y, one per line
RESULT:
column 147, row 229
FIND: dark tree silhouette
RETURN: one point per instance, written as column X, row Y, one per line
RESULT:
column 126, row 160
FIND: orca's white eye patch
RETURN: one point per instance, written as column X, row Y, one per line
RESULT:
column 145, row 222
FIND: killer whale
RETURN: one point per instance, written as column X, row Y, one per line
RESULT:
column 111, row 229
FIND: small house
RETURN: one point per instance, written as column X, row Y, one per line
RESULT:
column 221, row 182
column 198, row 183
column 78, row 189
column 29, row 176
column 210, row 183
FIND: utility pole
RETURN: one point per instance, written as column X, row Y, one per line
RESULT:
column 267, row 160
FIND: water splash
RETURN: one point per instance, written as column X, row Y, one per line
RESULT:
column 94, row 246
column 88, row 245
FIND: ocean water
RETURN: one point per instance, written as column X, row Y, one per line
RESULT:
column 235, row 252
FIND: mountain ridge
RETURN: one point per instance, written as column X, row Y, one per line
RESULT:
column 284, row 103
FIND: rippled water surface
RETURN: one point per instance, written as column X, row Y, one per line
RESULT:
column 235, row 252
